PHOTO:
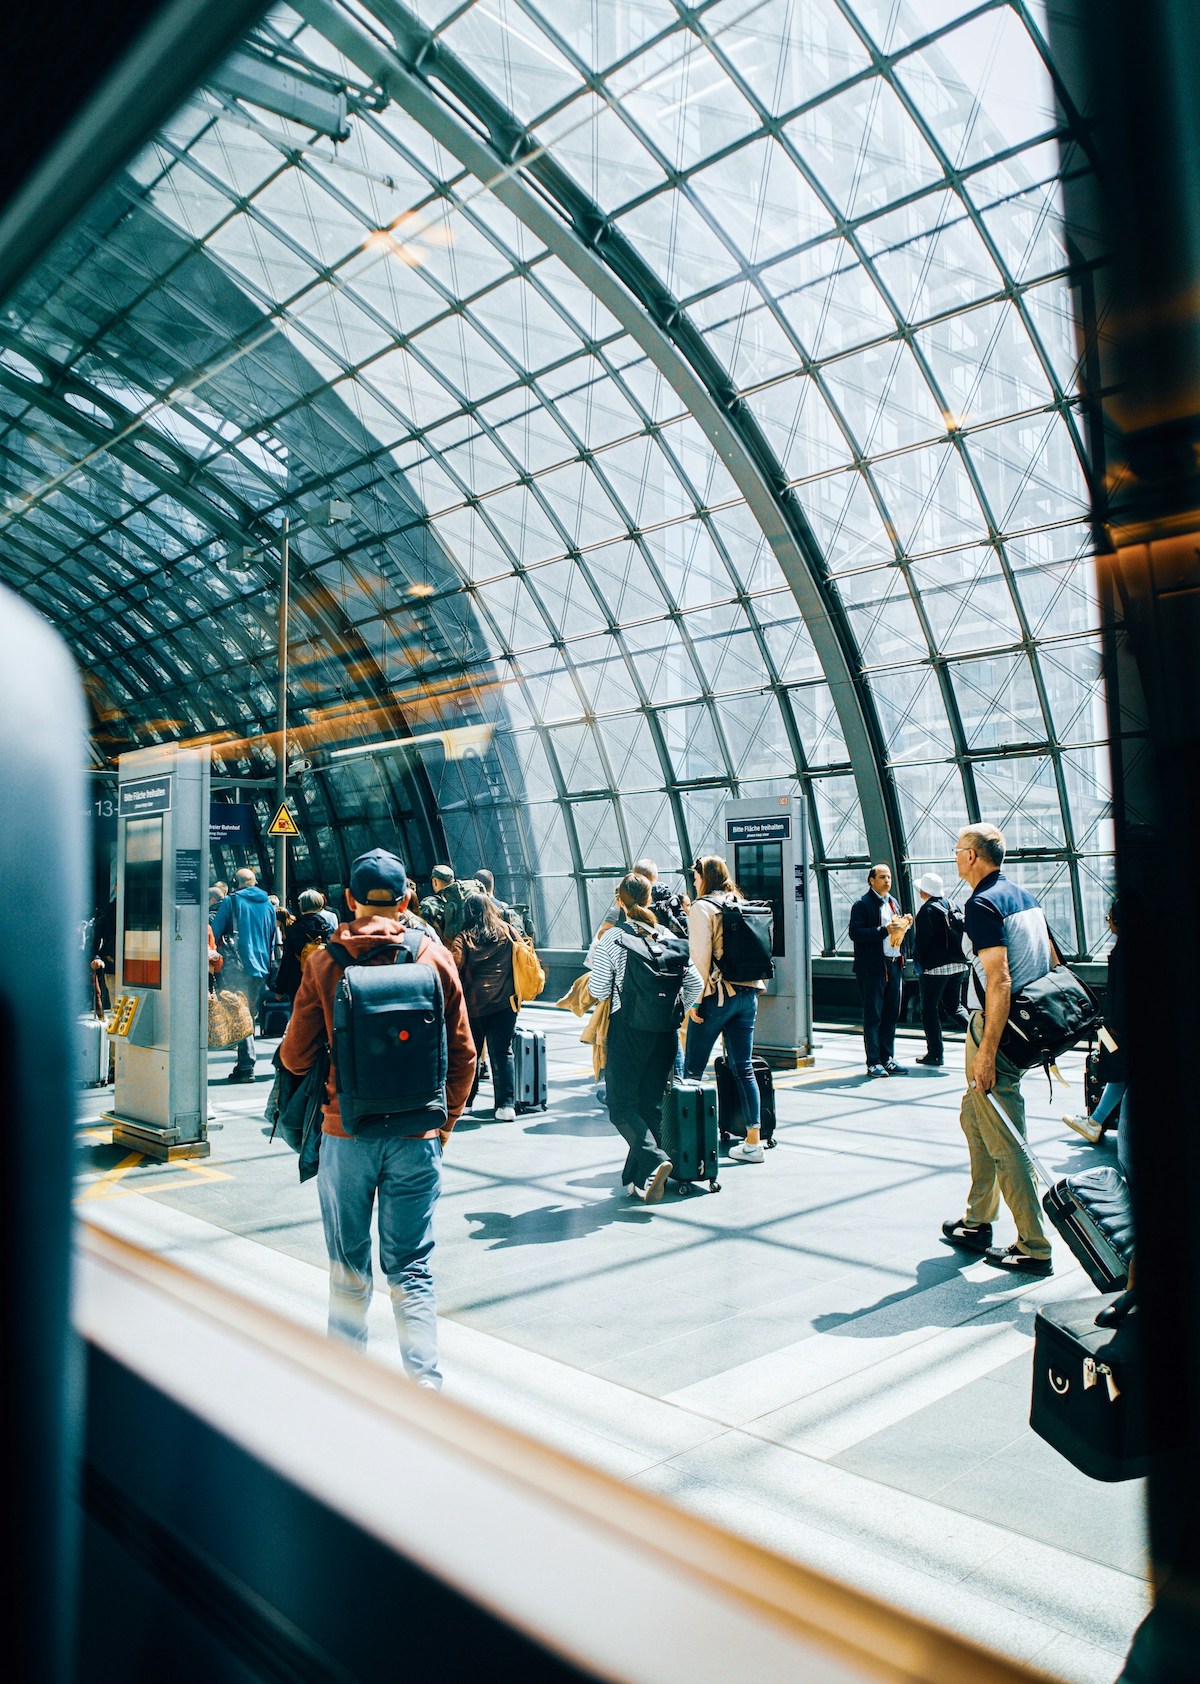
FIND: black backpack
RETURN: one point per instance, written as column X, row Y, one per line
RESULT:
column 747, row 937
column 952, row 934
column 652, row 988
column 389, row 1041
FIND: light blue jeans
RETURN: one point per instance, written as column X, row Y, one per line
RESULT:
column 734, row 1022
column 405, row 1175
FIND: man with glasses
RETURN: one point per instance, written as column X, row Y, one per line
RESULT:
column 1012, row 948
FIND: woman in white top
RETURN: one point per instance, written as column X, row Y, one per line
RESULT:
column 728, row 1007
column 639, row 1055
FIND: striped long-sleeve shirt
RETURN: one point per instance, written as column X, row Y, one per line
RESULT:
column 606, row 961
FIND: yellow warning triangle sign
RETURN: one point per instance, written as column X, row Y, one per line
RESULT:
column 283, row 824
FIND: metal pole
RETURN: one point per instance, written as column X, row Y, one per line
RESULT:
column 281, row 752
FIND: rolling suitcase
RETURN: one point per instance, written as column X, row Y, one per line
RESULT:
column 1092, row 1211
column 730, row 1120
column 273, row 1015
column 529, row 1068
column 1088, row 1399
column 689, row 1134
column 91, row 1051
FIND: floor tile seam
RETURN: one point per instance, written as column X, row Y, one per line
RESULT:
column 864, row 1369
column 382, row 1314
column 968, row 1585
column 754, row 1427
column 1006, row 1538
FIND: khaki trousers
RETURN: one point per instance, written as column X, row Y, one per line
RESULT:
column 997, row 1167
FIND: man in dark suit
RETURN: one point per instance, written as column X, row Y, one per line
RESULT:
column 877, row 930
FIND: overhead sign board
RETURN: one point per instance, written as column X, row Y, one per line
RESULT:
column 147, row 795
column 283, row 824
column 230, row 823
column 769, row 829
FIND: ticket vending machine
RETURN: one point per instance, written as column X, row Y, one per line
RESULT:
column 766, row 842
column 159, row 1022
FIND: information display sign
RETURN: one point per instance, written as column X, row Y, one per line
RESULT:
column 767, row 844
column 160, row 1017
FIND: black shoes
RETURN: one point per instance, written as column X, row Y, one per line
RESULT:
column 240, row 1076
column 1016, row 1261
column 931, row 1062
column 966, row 1238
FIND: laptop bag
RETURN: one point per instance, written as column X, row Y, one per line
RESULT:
column 1088, row 1391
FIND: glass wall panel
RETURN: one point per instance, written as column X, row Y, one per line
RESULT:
column 542, row 537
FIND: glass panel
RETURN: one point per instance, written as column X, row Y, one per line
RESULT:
column 982, row 88
column 864, row 148
column 787, row 51
column 998, row 701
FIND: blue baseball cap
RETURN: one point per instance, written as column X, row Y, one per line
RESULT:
column 378, row 877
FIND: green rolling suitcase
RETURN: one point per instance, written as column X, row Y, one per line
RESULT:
column 689, row 1134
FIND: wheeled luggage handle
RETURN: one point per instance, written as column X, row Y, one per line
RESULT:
column 1031, row 1157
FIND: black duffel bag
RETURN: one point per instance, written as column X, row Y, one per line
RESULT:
column 1047, row 1018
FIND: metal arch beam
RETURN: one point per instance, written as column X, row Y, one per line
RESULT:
column 321, row 607
column 652, row 319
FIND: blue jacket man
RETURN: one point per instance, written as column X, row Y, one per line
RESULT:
column 878, row 966
column 246, row 920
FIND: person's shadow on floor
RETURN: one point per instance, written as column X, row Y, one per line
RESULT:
column 578, row 1119
column 551, row 1223
column 931, row 1272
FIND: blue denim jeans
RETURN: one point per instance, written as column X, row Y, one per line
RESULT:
column 405, row 1176
column 1109, row 1101
column 253, row 987
column 734, row 1022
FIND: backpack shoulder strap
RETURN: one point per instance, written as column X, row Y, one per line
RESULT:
column 411, row 945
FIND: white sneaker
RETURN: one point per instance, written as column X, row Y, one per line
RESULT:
column 654, row 1189
column 1086, row 1127
column 748, row 1154
column 505, row 1114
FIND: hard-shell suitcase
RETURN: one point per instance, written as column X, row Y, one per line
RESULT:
column 91, row 1051
column 529, row 1068
column 1092, row 1212
column 1088, row 1397
column 730, row 1119
column 689, row 1134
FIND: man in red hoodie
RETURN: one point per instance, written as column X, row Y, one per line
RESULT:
column 403, row 1172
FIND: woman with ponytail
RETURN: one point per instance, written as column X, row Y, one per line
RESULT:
column 628, row 963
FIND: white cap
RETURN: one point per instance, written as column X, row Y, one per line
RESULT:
column 931, row 885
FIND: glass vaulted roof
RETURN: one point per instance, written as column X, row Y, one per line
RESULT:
column 701, row 385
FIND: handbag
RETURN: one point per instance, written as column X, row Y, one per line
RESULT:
column 229, row 1018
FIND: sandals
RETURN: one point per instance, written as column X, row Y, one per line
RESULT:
column 957, row 1232
column 1016, row 1261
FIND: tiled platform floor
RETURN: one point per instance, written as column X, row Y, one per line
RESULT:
column 797, row 1356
